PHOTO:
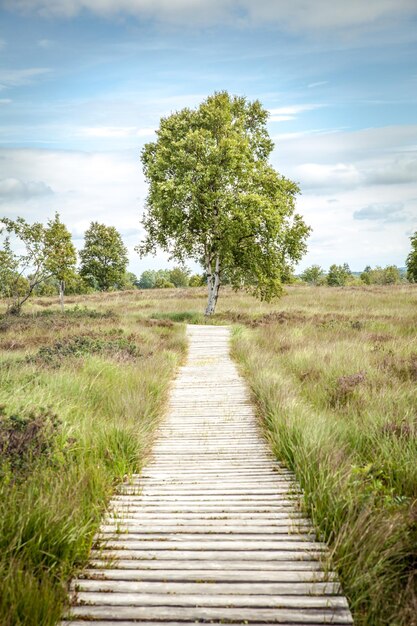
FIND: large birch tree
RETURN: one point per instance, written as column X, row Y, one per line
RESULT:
column 214, row 197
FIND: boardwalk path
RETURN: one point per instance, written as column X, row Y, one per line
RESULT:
column 210, row 531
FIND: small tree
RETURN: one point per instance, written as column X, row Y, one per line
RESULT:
column 62, row 255
column 313, row 275
column 179, row 276
column 47, row 253
column 366, row 275
column 163, row 283
column 338, row 275
column 411, row 262
column 104, row 256
column 213, row 197
column 130, row 281
column 197, row 280
column 389, row 275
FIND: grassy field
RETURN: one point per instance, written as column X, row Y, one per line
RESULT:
column 81, row 394
column 333, row 373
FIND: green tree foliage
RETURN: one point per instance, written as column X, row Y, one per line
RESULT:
column 411, row 262
column 47, row 252
column 197, row 280
column 338, row 275
column 163, row 283
column 214, row 197
column 313, row 275
column 104, row 257
column 147, row 279
column 129, row 281
column 63, row 256
column 179, row 276
column 389, row 275
column 157, row 279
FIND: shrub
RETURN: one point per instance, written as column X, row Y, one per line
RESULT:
column 27, row 437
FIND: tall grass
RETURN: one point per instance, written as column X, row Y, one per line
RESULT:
column 334, row 377
column 333, row 373
column 108, row 398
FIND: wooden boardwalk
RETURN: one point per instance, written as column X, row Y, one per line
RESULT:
column 211, row 531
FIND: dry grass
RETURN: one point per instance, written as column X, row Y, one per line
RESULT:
column 333, row 373
column 105, row 373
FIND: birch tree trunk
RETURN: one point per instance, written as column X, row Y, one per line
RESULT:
column 61, row 293
column 213, row 283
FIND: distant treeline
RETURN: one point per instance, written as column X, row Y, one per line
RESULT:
column 38, row 259
column 341, row 275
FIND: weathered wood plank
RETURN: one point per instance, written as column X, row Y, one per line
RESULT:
column 99, row 622
column 225, row 614
column 196, row 532
column 212, row 588
column 209, row 564
column 210, row 555
column 286, row 576
column 230, row 600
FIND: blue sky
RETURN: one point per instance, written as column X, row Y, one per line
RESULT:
column 83, row 84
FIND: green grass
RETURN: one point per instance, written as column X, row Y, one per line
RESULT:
column 333, row 373
column 106, row 376
column 334, row 377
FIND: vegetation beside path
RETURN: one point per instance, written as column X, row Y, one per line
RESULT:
column 333, row 372
column 80, row 395
column 334, row 376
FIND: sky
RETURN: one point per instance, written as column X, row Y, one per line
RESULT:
column 84, row 83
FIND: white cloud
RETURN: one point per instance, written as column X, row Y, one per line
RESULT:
column 328, row 14
column 109, row 132
column 281, row 118
column 400, row 170
column 298, row 15
column 107, row 187
column 112, row 132
column 5, row 101
column 14, row 188
column 319, row 83
column 382, row 212
column 145, row 132
column 290, row 112
column 372, row 146
column 316, row 175
column 45, row 43
column 338, row 173
column 17, row 78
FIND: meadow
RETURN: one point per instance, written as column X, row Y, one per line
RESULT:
column 333, row 375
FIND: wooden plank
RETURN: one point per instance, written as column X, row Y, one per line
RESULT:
column 230, row 495
column 167, row 526
column 181, row 542
column 258, row 517
column 286, row 576
column 210, row 555
column 206, row 600
column 99, row 562
column 212, row 588
column 99, row 622
column 225, row 614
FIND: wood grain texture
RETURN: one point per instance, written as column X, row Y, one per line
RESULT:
column 212, row 530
